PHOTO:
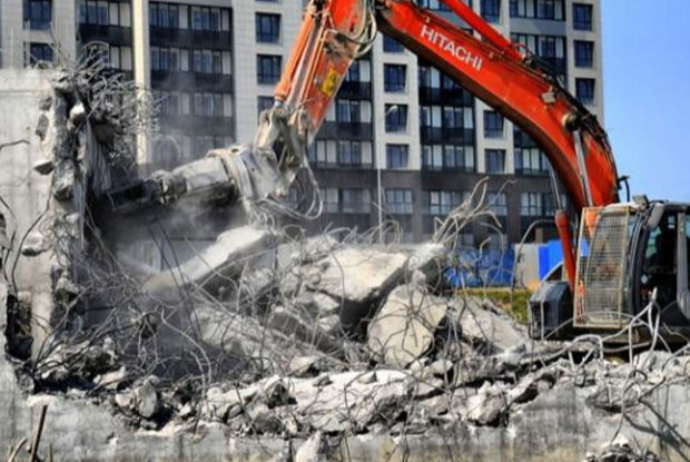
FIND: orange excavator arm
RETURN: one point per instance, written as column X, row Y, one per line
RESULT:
column 335, row 32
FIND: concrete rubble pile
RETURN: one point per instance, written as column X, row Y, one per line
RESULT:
column 312, row 345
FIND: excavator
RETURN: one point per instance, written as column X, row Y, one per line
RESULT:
column 630, row 258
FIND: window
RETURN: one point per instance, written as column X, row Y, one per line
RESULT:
column 397, row 155
column 497, row 204
column 38, row 14
column 331, row 200
column 435, row 5
column 584, row 53
column 206, row 19
column 530, row 161
column 399, row 201
column 164, row 15
column 449, row 157
column 550, row 48
column 356, row 200
column 347, row 111
column 264, row 103
column 349, row 153
column 582, row 16
column 207, row 62
column 394, row 78
column 493, row 124
column 40, row 54
column 268, row 69
column 453, row 117
column 531, row 205
column 495, row 160
column 491, row 10
column 165, row 59
column 267, row 28
column 550, row 205
column 94, row 12
column 342, row 153
column 391, row 45
column 443, row 202
column 396, row 118
column 544, row 9
column 584, row 89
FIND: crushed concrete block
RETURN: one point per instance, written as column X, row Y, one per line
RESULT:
column 35, row 244
column 112, row 380
column 487, row 406
column 147, row 399
column 428, row 259
column 292, row 322
column 77, row 114
column 358, row 277
column 483, row 326
column 330, row 325
column 125, row 401
column 224, row 405
column 227, row 257
column 264, row 421
column 64, row 179
column 404, row 327
column 312, row 450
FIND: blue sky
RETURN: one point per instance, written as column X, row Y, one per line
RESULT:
column 647, row 93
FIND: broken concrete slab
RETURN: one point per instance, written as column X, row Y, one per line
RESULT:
column 359, row 277
column 487, row 406
column 481, row 325
column 404, row 327
column 233, row 251
column 429, row 259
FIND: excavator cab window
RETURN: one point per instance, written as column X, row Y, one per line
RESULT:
column 659, row 266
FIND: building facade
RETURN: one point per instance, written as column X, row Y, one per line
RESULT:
column 401, row 142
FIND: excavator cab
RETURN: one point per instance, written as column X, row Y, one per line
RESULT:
column 629, row 255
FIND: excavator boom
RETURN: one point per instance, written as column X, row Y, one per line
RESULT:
column 335, row 32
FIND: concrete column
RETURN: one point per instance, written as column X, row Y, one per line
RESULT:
column 142, row 74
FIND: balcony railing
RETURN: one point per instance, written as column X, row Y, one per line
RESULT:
column 199, row 125
column 178, row 80
column 162, row 36
column 346, row 130
column 114, row 35
column 523, row 140
column 446, row 96
column 431, row 135
column 337, row 165
column 531, row 172
column 355, row 90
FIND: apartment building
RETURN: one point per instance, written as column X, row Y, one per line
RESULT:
column 401, row 142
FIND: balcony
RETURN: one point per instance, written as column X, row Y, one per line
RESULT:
column 444, row 135
column 361, row 221
column 346, row 130
column 445, row 96
column 531, row 172
column 355, row 90
column 523, row 140
column 335, row 165
column 177, row 80
column 200, row 126
column 188, row 38
column 113, row 35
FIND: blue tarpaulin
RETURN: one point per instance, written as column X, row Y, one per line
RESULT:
column 550, row 256
column 489, row 268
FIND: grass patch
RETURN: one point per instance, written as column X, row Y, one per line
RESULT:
column 501, row 298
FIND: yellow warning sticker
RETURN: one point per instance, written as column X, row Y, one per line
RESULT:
column 330, row 83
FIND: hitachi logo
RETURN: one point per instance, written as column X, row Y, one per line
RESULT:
column 459, row 51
